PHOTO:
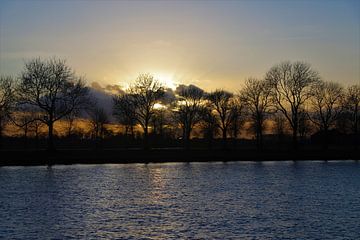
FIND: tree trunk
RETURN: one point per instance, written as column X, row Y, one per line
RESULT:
column 260, row 139
column 126, row 130
column 235, row 133
column 326, row 138
column 356, row 130
column 132, row 132
column 187, row 138
column 224, row 138
column 25, row 135
column 1, row 133
column 210, row 139
column 1, row 136
column 146, row 138
column 50, row 142
column 294, row 139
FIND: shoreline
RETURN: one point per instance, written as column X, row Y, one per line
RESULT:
column 128, row 156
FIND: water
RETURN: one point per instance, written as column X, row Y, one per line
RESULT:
column 273, row 200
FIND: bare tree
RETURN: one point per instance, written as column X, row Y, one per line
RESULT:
column 159, row 121
column 237, row 121
column 326, row 105
column 353, row 106
column 304, row 124
column 145, row 93
column 98, row 120
column 208, row 125
column 7, row 98
column 279, row 124
column 187, row 110
column 22, row 117
column 255, row 97
column 53, row 89
column 222, row 103
column 279, row 127
column 125, row 112
column 291, row 85
column 70, row 122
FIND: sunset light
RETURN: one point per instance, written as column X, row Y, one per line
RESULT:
column 166, row 79
column 180, row 119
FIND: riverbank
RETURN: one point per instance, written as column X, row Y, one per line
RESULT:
column 86, row 156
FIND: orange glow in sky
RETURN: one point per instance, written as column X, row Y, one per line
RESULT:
column 212, row 44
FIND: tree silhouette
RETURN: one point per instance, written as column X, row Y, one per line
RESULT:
column 98, row 121
column 222, row 103
column 159, row 121
column 291, row 85
column 352, row 105
column 7, row 98
column 144, row 94
column 24, row 118
column 305, row 126
column 125, row 112
column 326, row 106
column 187, row 110
column 208, row 125
column 53, row 89
column 255, row 97
column 70, row 122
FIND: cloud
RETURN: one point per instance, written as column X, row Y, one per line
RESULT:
column 103, row 96
column 110, row 89
column 169, row 96
column 186, row 88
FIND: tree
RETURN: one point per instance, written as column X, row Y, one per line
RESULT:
column 159, row 121
column 144, row 94
column 326, row 105
column 22, row 117
column 237, row 119
column 7, row 98
column 222, row 103
column 187, row 110
column 98, row 120
column 279, row 124
column 70, row 122
column 304, row 124
column 279, row 128
column 291, row 85
column 208, row 125
column 352, row 104
column 52, row 88
column 125, row 112
column 256, row 100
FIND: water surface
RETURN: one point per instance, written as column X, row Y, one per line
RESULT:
column 270, row 200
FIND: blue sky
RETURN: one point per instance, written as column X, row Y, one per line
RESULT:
column 214, row 44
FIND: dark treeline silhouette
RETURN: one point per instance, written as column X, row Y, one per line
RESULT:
column 291, row 107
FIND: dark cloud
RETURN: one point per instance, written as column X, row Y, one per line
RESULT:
column 103, row 96
column 168, row 97
column 111, row 89
column 182, row 89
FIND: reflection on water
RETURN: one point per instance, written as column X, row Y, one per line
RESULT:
column 303, row 200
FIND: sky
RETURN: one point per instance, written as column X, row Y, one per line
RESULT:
column 212, row 44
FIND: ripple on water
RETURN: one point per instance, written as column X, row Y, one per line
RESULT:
column 304, row 200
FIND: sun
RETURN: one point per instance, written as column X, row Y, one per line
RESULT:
column 166, row 79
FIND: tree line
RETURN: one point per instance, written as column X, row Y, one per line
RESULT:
column 291, row 96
